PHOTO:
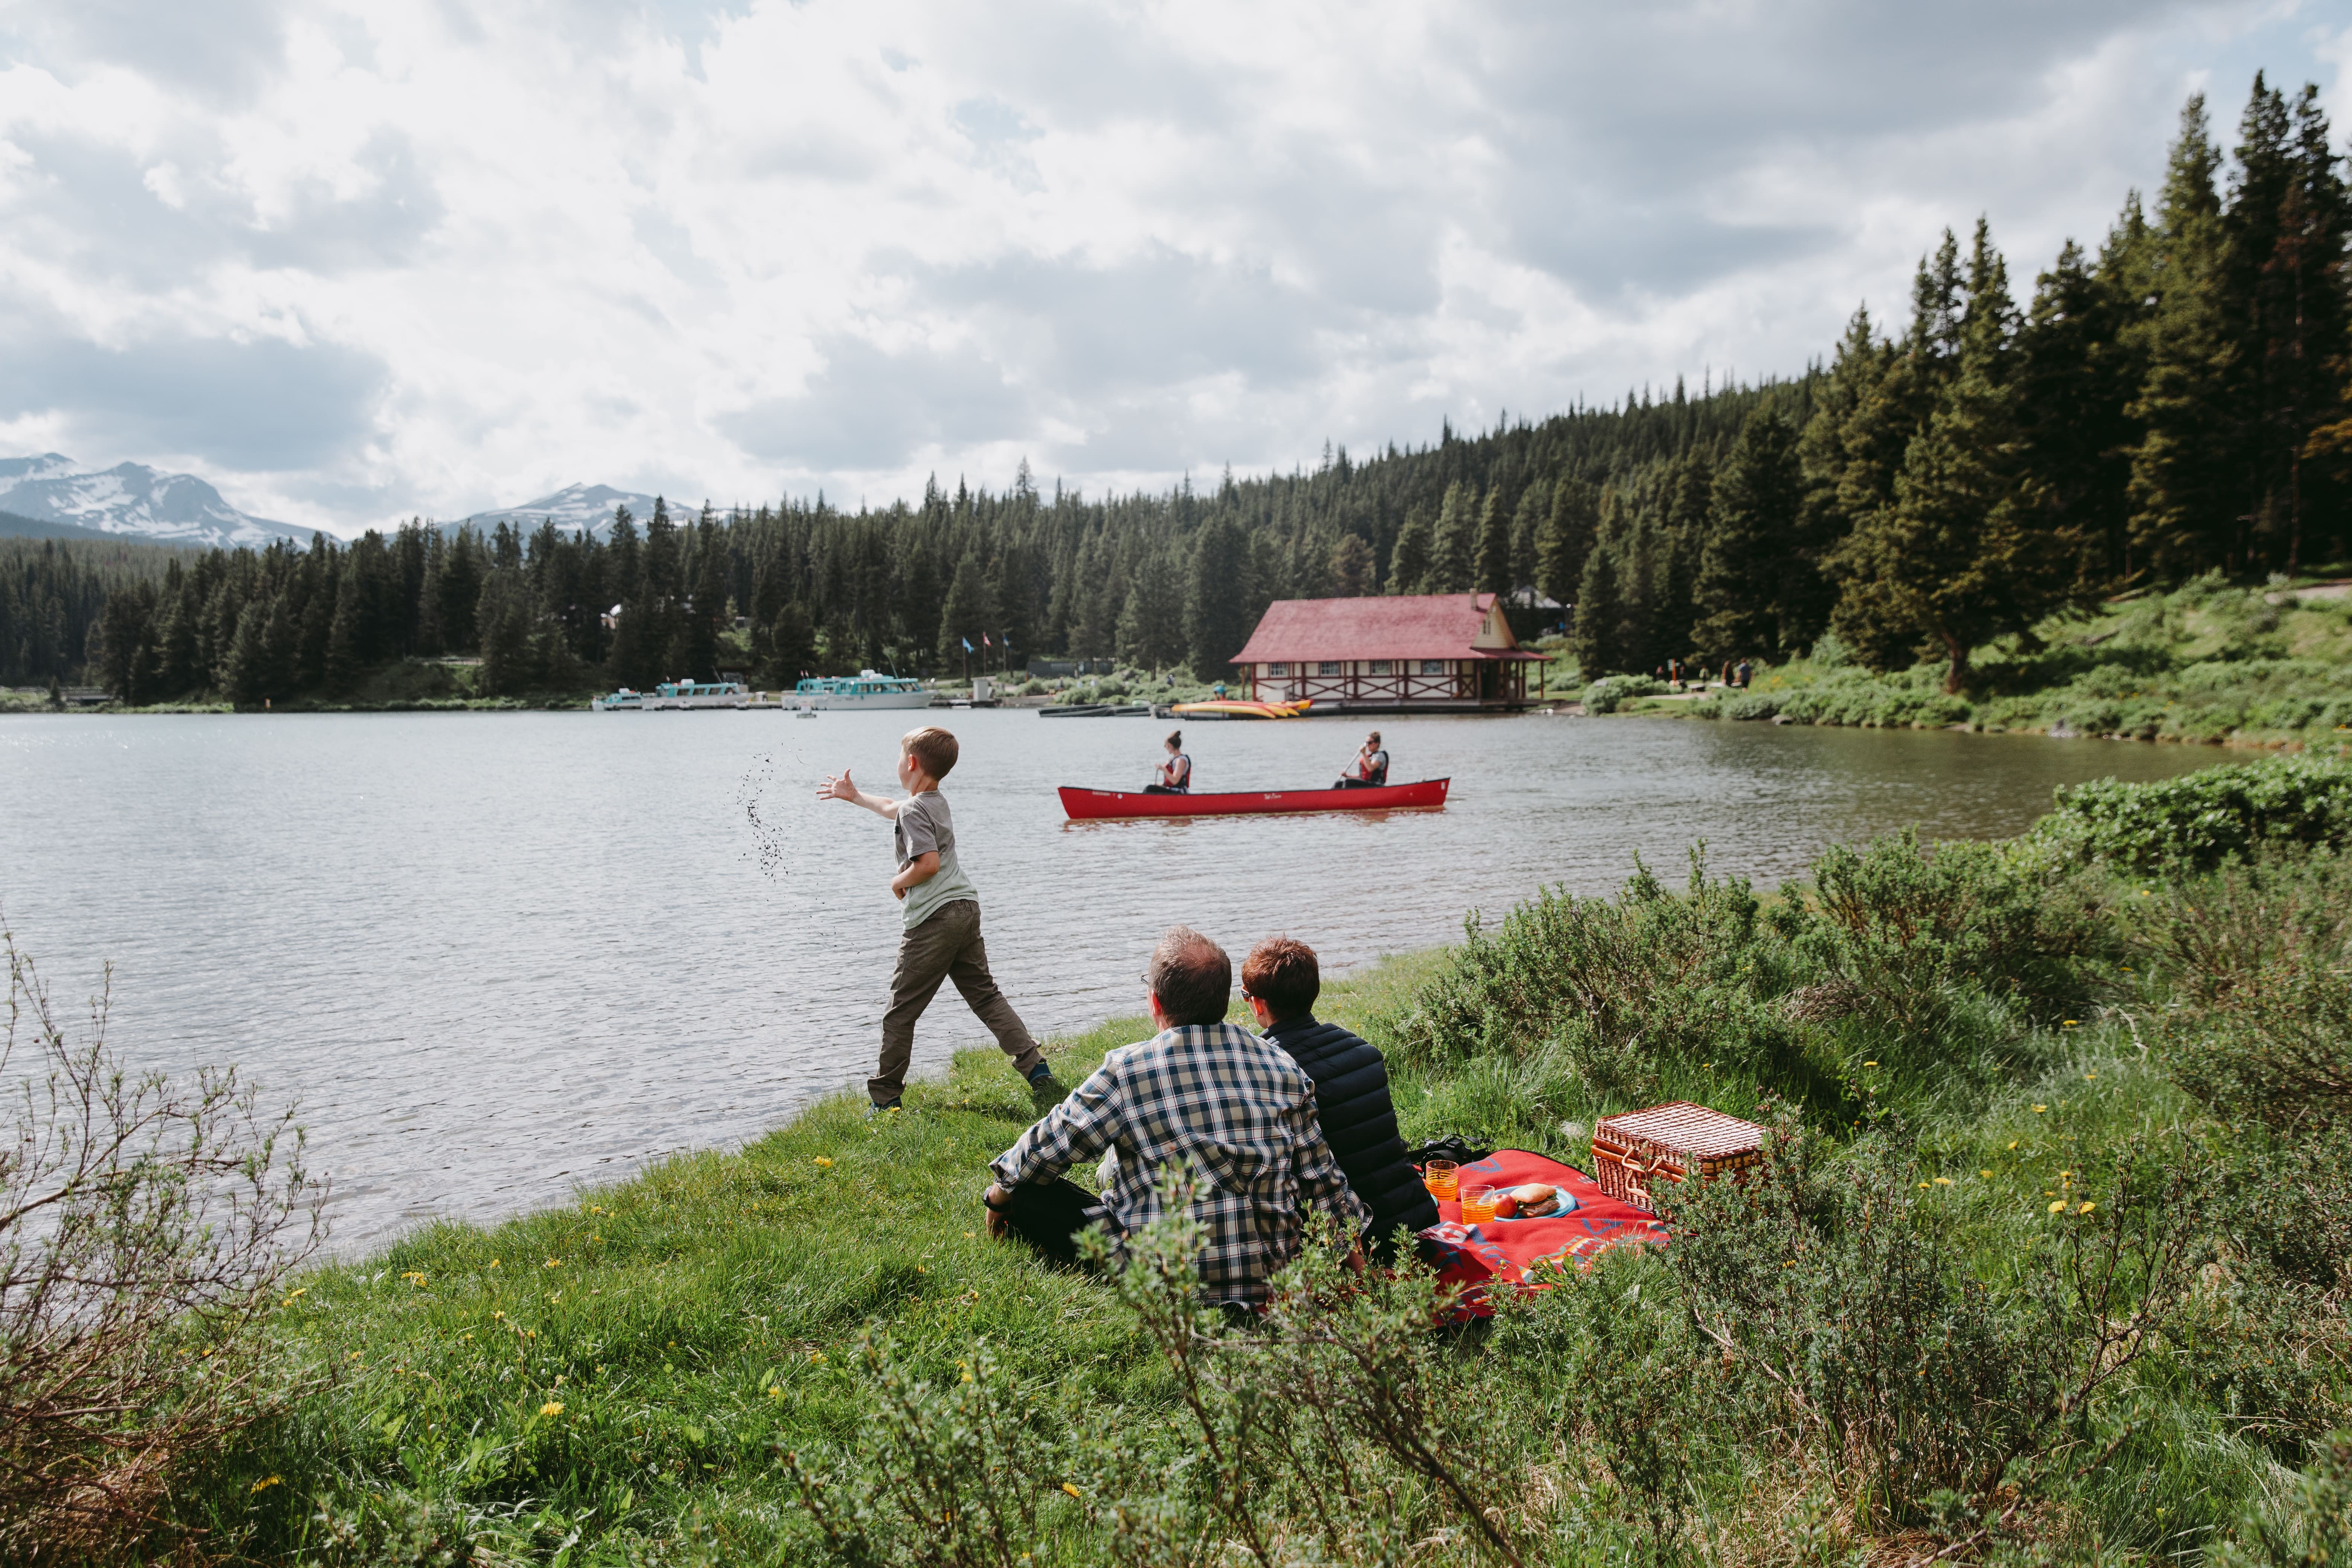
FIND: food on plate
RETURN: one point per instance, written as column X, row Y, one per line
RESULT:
column 1535, row 1200
column 1506, row 1207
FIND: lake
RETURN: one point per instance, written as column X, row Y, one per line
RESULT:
column 498, row 956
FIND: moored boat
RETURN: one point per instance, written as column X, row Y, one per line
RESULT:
column 673, row 696
column 625, row 700
column 1097, row 805
column 867, row 689
column 1236, row 707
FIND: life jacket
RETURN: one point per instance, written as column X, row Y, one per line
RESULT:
column 1374, row 769
column 1180, row 771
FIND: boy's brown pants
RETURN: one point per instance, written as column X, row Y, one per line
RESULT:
column 947, row 946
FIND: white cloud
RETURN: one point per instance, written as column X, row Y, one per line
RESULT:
column 357, row 260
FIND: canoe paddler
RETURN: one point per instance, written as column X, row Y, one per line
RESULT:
column 1372, row 766
column 1174, row 776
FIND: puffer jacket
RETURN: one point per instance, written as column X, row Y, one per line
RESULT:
column 1352, row 1096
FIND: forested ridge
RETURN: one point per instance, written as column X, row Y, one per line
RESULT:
column 2176, row 402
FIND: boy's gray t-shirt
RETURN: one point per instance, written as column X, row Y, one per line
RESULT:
column 924, row 826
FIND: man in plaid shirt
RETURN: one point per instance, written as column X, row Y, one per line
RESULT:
column 1202, row 1095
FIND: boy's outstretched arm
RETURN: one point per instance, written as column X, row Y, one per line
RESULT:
column 842, row 789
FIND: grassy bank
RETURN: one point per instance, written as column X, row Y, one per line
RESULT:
column 2048, row 1268
column 2209, row 663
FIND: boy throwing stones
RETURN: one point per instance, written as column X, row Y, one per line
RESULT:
column 942, row 913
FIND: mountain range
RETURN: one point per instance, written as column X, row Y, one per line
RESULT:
column 52, row 497
column 571, row 509
column 63, row 499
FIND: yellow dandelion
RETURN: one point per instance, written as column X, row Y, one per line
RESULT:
column 1923, row 1184
column 2086, row 1208
column 774, row 1393
column 2013, row 1143
column 2070, row 1023
column 1985, row 1174
column 265, row 1483
column 550, row 1408
column 1069, row 1488
column 825, row 1162
column 1943, row 1181
column 494, row 1263
column 1870, row 1063
column 2058, row 1207
column 415, row 1277
column 2090, row 1078
column 2037, row 1111
column 552, row 1263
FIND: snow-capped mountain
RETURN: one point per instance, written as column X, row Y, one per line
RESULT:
column 133, row 501
column 574, row 508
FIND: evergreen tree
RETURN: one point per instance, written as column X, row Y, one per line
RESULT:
column 1409, row 565
column 1352, row 567
column 1492, row 573
column 965, row 616
column 1528, row 522
column 1566, row 539
column 1601, row 634
column 1751, row 583
column 2182, row 519
column 1454, row 549
column 2073, row 383
column 1956, row 559
column 1150, row 625
column 1217, row 621
column 342, row 663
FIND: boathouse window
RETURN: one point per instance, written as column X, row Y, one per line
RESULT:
column 1278, row 669
column 1327, row 667
column 1379, row 667
column 1433, row 666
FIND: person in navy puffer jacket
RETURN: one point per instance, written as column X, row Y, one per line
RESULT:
column 1280, row 981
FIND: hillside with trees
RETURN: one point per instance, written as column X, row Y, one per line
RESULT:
column 2176, row 404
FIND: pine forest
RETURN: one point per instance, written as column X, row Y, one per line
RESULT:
column 2176, row 403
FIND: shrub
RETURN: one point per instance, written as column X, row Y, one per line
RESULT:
column 1844, row 1301
column 2310, row 1524
column 2278, row 1049
column 146, row 1227
column 1610, row 990
column 2199, row 820
column 1896, row 920
column 1611, row 691
column 1748, row 705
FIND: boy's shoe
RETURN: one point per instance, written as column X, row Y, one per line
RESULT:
column 1045, row 1090
column 878, row 1109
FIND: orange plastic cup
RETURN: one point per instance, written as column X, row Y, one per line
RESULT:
column 1477, row 1206
column 1440, row 1176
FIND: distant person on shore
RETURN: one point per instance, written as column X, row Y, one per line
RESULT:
column 1372, row 766
column 1280, row 981
column 1204, row 1097
column 942, row 923
column 1746, row 671
column 1174, row 776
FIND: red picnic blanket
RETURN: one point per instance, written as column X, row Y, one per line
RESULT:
column 1508, row 1250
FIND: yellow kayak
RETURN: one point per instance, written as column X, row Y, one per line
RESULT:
column 1235, row 709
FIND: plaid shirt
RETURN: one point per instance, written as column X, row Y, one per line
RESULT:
column 1216, row 1098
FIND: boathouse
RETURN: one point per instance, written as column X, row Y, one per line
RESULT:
column 1406, row 653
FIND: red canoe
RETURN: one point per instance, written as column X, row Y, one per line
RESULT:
column 1094, row 804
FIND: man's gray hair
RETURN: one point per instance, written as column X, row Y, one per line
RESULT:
column 1191, row 976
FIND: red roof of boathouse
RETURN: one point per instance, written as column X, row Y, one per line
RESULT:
column 1403, row 626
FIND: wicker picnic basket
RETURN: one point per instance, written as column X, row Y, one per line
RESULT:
column 1631, row 1152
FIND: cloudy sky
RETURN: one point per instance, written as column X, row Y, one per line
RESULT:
column 355, row 261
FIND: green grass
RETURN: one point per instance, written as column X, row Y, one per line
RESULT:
column 690, row 1321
